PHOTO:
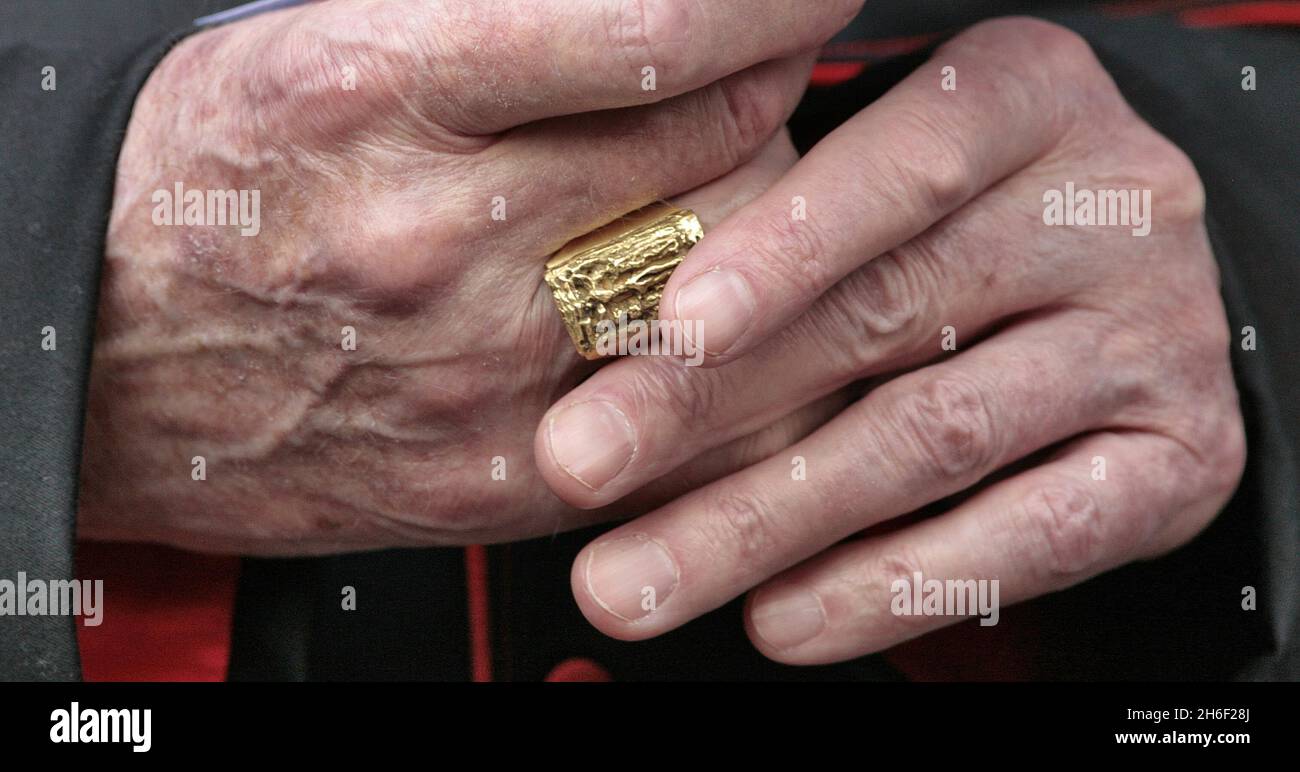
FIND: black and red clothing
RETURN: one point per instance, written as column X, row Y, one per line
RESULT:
column 505, row 612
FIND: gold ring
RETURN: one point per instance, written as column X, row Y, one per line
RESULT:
column 617, row 272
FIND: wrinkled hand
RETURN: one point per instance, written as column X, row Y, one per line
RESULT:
column 227, row 410
column 1086, row 412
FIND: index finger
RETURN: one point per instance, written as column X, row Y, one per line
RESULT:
column 876, row 182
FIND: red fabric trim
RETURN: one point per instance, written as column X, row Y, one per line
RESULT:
column 480, row 613
column 579, row 669
column 166, row 614
column 1131, row 8
column 845, row 60
column 877, row 48
column 1244, row 14
column 833, row 73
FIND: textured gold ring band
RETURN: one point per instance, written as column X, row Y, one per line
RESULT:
column 616, row 273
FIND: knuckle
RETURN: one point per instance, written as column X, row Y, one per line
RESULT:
column 872, row 312
column 935, row 172
column 872, row 583
column 792, row 252
column 742, row 525
column 1026, row 30
column 1057, row 44
column 1068, row 531
column 949, row 423
column 1197, row 477
column 380, row 252
column 751, row 112
column 876, row 578
column 1063, row 51
column 1206, row 443
column 1181, row 357
column 292, row 85
column 1079, row 88
column 691, row 395
column 298, row 86
column 643, row 32
column 901, row 562
column 891, row 295
column 1173, row 179
column 1231, row 462
column 1215, row 447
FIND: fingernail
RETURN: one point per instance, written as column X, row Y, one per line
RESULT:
column 592, row 441
column 630, row 576
column 787, row 616
column 720, row 303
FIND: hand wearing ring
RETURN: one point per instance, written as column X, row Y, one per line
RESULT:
column 369, row 368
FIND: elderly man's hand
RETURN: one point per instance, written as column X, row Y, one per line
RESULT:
column 360, row 361
column 1055, row 394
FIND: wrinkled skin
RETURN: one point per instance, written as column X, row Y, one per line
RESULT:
column 925, row 212
column 1087, row 413
column 376, row 214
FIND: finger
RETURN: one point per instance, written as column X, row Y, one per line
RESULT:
column 713, row 202
column 726, row 459
column 881, row 318
column 584, row 171
column 1038, row 532
column 497, row 65
column 912, row 441
column 892, row 171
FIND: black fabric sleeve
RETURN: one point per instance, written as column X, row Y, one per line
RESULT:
column 58, row 155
